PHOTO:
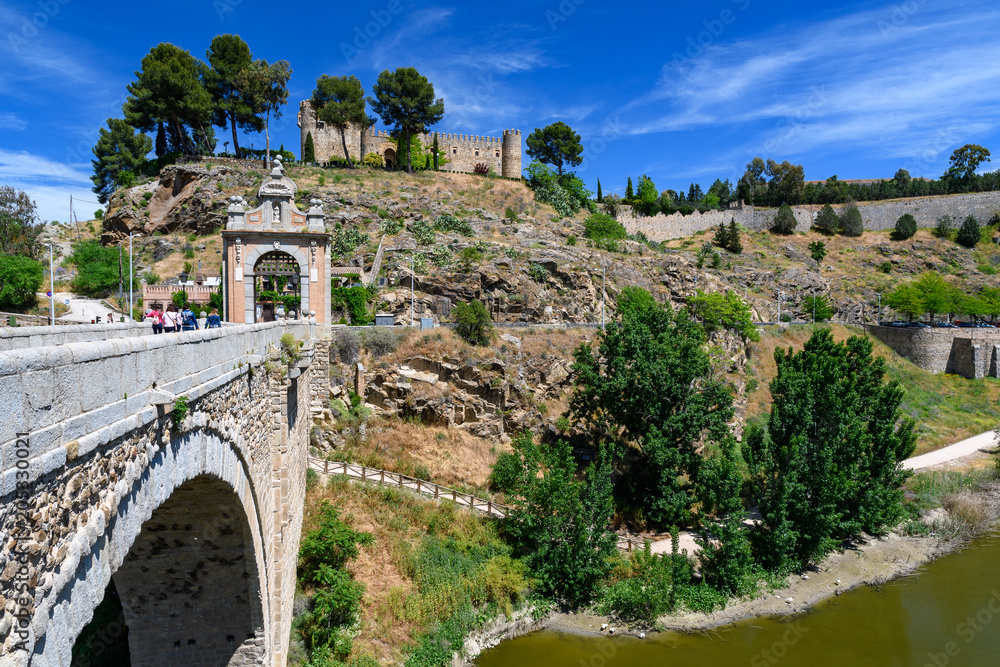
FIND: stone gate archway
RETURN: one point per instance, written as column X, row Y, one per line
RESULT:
column 277, row 286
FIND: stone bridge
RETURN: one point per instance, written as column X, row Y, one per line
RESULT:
column 169, row 470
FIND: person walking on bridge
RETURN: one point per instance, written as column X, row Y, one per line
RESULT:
column 188, row 321
column 171, row 319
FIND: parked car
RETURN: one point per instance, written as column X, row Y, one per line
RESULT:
column 897, row 323
column 945, row 325
column 918, row 325
column 983, row 325
column 964, row 325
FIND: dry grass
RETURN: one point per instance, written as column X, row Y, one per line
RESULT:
column 973, row 512
column 447, row 456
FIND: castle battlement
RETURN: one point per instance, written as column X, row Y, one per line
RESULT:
column 463, row 151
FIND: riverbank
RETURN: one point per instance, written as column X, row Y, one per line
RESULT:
column 873, row 562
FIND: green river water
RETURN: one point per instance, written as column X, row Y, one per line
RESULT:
column 947, row 614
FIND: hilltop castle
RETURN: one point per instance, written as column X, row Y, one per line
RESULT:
column 462, row 151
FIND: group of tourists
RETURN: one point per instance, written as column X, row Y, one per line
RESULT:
column 171, row 320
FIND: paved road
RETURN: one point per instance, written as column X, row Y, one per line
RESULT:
column 82, row 309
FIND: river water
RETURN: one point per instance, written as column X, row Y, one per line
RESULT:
column 946, row 614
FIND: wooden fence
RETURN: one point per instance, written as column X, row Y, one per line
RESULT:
column 396, row 480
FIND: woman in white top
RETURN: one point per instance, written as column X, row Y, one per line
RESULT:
column 171, row 319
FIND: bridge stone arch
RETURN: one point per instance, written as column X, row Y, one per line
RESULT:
column 186, row 549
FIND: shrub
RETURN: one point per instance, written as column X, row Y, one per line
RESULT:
column 374, row 160
column 510, row 214
column 392, row 226
column 380, row 341
column 571, row 240
column 422, row 232
column 481, row 169
column 475, row 326
column 506, row 473
column 784, row 221
column 827, row 220
column 969, row 233
column 885, row 267
column 906, row 227
column 99, row 214
column 944, row 226
column 441, row 256
column 449, row 223
column 600, row 226
column 348, row 345
column 538, row 272
column 817, row 250
column 717, row 311
column 851, row 223
column 344, row 242
column 470, row 256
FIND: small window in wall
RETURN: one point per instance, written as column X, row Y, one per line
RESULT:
column 498, row 153
column 477, row 153
column 454, row 151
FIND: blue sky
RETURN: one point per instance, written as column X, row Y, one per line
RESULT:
column 679, row 91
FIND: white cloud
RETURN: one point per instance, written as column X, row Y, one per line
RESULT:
column 9, row 121
column 50, row 183
column 842, row 84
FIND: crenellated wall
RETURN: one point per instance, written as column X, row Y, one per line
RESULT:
column 463, row 151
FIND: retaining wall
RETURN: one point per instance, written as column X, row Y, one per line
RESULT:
column 971, row 353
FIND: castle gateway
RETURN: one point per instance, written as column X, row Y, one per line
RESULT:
column 463, row 151
column 275, row 258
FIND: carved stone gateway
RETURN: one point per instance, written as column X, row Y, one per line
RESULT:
column 254, row 289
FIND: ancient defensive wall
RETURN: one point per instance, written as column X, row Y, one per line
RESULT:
column 971, row 353
column 172, row 465
column 877, row 216
column 463, row 151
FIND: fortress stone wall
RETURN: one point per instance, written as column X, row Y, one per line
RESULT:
column 463, row 151
column 878, row 216
column 971, row 353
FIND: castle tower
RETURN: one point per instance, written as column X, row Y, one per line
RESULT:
column 511, row 154
column 307, row 123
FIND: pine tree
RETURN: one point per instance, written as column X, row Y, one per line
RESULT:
column 851, row 223
column 309, row 152
column 600, row 196
column 721, row 236
column 784, row 221
column 735, row 245
column 969, row 233
column 906, row 227
column 629, row 192
column 161, row 140
column 827, row 220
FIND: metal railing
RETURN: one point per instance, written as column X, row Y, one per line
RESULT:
column 430, row 490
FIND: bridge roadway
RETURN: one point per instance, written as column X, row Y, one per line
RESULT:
column 193, row 513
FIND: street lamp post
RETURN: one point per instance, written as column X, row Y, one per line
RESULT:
column 52, row 290
column 604, row 292
column 411, row 291
column 781, row 297
column 131, row 295
column 878, row 320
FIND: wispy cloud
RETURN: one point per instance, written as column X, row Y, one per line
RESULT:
column 9, row 121
column 841, row 84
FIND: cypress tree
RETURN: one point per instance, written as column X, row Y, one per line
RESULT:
column 309, row 152
column 735, row 245
column 161, row 141
column 851, row 223
column 629, row 192
column 435, row 151
column 969, row 233
column 600, row 196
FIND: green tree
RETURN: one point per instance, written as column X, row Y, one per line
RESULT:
column 787, row 181
column 966, row 160
column 559, row 524
column 817, row 250
column 721, row 238
column 943, row 228
column 20, row 278
column 265, row 86
column 830, row 464
column 695, row 194
column 752, row 187
column 818, row 306
column 309, row 151
column 827, row 220
column 19, row 225
column 600, row 195
column 600, row 226
column 161, row 140
column 969, row 233
column 851, row 223
column 647, row 198
column 650, row 396
column 405, row 101
column 784, row 221
column 556, row 144
column 906, row 299
column 735, row 244
column 229, row 58
column 98, row 269
column 339, row 101
column 169, row 89
column 435, row 151
column 475, row 326
column 119, row 151
column 717, row 311
column 469, row 257
column 937, row 294
column 906, row 227
column 629, row 192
